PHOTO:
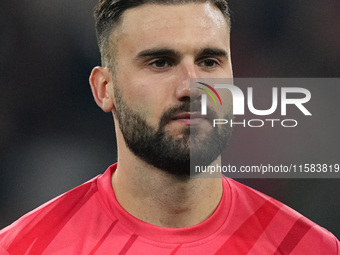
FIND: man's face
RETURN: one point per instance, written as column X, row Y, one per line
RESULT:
column 159, row 48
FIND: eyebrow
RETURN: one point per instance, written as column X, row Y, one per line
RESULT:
column 213, row 52
column 162, row 52
column 157, row 53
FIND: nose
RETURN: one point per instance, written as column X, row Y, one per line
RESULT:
column 185, row 87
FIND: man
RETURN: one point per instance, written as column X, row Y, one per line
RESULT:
column 147, row 203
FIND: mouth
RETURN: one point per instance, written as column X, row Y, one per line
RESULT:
column 189, row 118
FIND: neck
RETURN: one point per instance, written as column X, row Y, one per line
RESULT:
column 162, row 199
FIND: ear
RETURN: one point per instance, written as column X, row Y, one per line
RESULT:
column 102, row 90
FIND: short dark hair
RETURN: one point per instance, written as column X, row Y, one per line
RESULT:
column 108, row 15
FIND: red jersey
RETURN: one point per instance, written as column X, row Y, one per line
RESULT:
column 89, row 220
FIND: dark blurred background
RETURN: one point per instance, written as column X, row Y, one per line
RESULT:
column 54, row 137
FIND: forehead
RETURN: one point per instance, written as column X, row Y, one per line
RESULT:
column 155, row 23
column 154, row 15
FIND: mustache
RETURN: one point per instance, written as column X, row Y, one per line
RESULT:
column 186, row 106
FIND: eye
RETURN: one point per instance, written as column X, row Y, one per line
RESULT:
column 209, row 63
column 160, row 63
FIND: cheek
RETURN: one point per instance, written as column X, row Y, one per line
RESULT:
column 227, row 103
column 145, row 92
column 143, row 99
column 150, row 89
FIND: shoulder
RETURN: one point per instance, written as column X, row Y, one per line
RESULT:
column 292, row 232
column 49, row 217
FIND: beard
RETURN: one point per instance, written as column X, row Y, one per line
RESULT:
column 162, row 150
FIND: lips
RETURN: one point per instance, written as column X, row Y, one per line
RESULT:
column 188, row 115
column 189, row 118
